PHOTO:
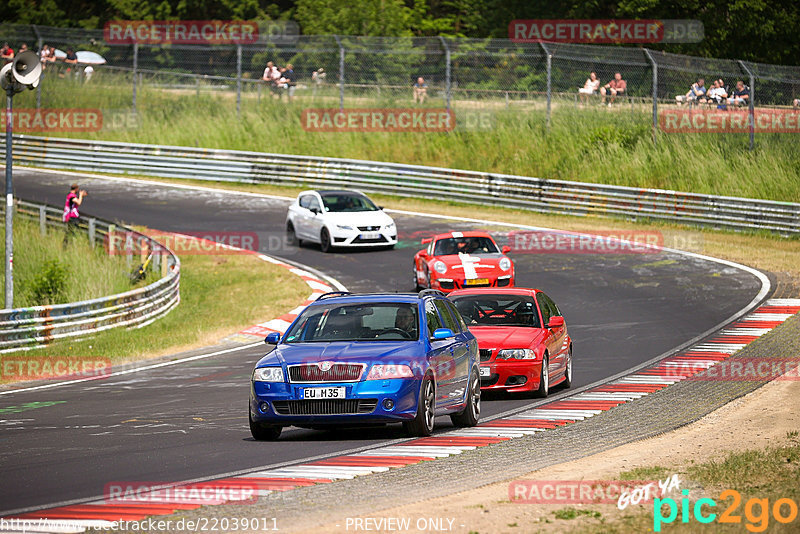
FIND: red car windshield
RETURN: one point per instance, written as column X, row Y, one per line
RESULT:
column 465, row 245
column 498, row 310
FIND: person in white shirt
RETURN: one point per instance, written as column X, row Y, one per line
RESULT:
column 589, row 88
column 271, row 76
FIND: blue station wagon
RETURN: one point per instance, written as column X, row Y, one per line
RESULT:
column 363, row 359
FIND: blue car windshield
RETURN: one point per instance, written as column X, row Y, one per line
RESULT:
column 363, row 321
column 497, row 310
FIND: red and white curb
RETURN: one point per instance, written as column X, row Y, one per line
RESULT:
column 99, row 514
column 280, row 324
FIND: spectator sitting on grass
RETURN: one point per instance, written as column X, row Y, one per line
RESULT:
column 6, row 53
column 615, row 87
column 280, row 83
column 289, row 80
column 696, row 92
column 318, row 76
column 740, row 96
column 420, row 90
column 718, row 94
column 47, row 55
column 71, row 60
column 796, row 103
column 271, row 77
column 589, row 88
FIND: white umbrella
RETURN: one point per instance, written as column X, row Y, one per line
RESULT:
column 90, row 58
column 84, row 56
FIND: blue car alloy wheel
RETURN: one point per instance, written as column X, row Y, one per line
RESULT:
column 352, row 359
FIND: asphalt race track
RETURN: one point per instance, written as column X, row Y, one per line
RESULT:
column 188, row 421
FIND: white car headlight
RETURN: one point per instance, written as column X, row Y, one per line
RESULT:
column 268, row 374
column 390, row 226
column 516, row 354
column 344, row 227
column 505, row 264
column 440, row 267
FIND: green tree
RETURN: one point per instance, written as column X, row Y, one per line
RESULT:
column 367, row 17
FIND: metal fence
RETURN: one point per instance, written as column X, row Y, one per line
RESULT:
column 40, row 325
column 536, row 194
column 460, row 73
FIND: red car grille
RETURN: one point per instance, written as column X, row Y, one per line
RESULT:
column 338, row 372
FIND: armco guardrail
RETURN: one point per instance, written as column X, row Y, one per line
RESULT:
column 537, row 194
column 39, row 325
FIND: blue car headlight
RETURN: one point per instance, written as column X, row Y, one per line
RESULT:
column 268, row 374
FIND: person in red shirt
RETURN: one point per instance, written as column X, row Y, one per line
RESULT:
column 6, row 53
column 615, row 87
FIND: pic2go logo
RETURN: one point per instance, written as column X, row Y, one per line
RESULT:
column 756, row 511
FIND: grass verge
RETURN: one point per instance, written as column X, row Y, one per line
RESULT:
column 595, row 144
column 46, row 272
column 760, row 478
column 219, row 295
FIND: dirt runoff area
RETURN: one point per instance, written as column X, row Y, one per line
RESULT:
column 758, row 420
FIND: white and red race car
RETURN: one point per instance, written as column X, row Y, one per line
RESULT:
column 458, row 260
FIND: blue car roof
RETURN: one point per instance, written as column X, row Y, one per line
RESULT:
column 411, row 298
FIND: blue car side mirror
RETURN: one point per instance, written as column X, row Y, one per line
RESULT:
column 442, row 333
column 273, row 338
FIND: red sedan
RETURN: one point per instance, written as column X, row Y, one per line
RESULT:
column 458, row 260
column 522, row 338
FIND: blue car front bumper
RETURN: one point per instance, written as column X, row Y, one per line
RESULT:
column 370, row 401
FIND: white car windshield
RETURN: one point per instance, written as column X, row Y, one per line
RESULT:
column 347, row 202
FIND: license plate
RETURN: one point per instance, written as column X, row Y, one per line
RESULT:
column 324, row 393
column 476, row 282
column 486, row 372
column 370, row 235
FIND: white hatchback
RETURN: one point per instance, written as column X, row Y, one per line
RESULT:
column 339, row 218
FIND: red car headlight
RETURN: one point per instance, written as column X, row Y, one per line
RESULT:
column 516, row 354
